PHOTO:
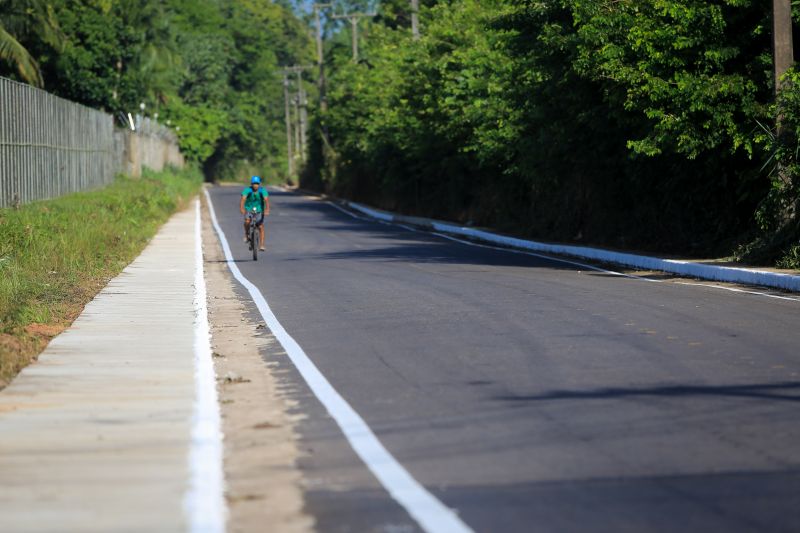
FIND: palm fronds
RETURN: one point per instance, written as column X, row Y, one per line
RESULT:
column 13, row 52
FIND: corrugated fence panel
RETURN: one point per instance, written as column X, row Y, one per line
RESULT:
column 50, row 146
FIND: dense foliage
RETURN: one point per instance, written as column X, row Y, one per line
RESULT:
column 644, row 124
column 635, row 123
column 210, row 68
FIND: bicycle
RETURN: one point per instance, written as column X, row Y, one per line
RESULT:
column 253, row 233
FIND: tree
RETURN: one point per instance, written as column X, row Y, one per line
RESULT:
column 22, row 20
column 626, row 122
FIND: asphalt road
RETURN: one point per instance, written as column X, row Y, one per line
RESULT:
column 528, row 394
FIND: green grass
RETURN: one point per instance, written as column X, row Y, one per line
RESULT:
column 55, row 255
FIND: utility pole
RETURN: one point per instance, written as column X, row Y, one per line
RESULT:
column 303, row 126
column 296, row 124
column 301, row 109
column 354, row 18
column 323, row 100
column 783, row 59
column 289, row 154
column 782, row 39
column 415, row 19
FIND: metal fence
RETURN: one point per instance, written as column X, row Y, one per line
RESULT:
column 50, row 146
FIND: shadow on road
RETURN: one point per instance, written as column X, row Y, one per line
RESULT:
column 785, row 391
column 396, row 244
column 391, row 243
column 696, row 502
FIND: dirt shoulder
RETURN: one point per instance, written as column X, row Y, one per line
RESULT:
column 263, row 482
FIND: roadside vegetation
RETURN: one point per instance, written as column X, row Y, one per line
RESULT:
column 55, row 255
column 646, row 125
column 209, row 68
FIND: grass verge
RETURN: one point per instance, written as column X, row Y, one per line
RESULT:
column 55, row 255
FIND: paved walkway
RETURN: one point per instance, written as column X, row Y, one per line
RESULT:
column 95, row 436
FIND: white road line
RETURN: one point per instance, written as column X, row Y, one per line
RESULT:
column 359, row 217
column 559, row 260
column 499, row 248
column 204, row 502
column 431, row 514
column 734, row 289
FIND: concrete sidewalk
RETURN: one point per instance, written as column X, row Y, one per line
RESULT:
column 96, row 435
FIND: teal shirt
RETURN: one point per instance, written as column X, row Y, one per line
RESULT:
column 254, row 199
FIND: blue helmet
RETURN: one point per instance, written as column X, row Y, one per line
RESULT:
column 254, row 180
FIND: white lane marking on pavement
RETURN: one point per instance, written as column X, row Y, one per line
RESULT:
column 734, row 289
column 431, row 514
column 499, row 248
column 204, row 501
column 557, row 259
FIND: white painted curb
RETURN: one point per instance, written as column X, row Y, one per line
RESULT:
column 681, row 268
column 204, row 502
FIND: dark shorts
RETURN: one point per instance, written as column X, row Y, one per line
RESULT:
column 258, row 217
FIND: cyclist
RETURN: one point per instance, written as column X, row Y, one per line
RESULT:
column 256, row 197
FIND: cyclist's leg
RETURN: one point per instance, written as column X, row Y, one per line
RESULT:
column 261, row 230
column 246, row 228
